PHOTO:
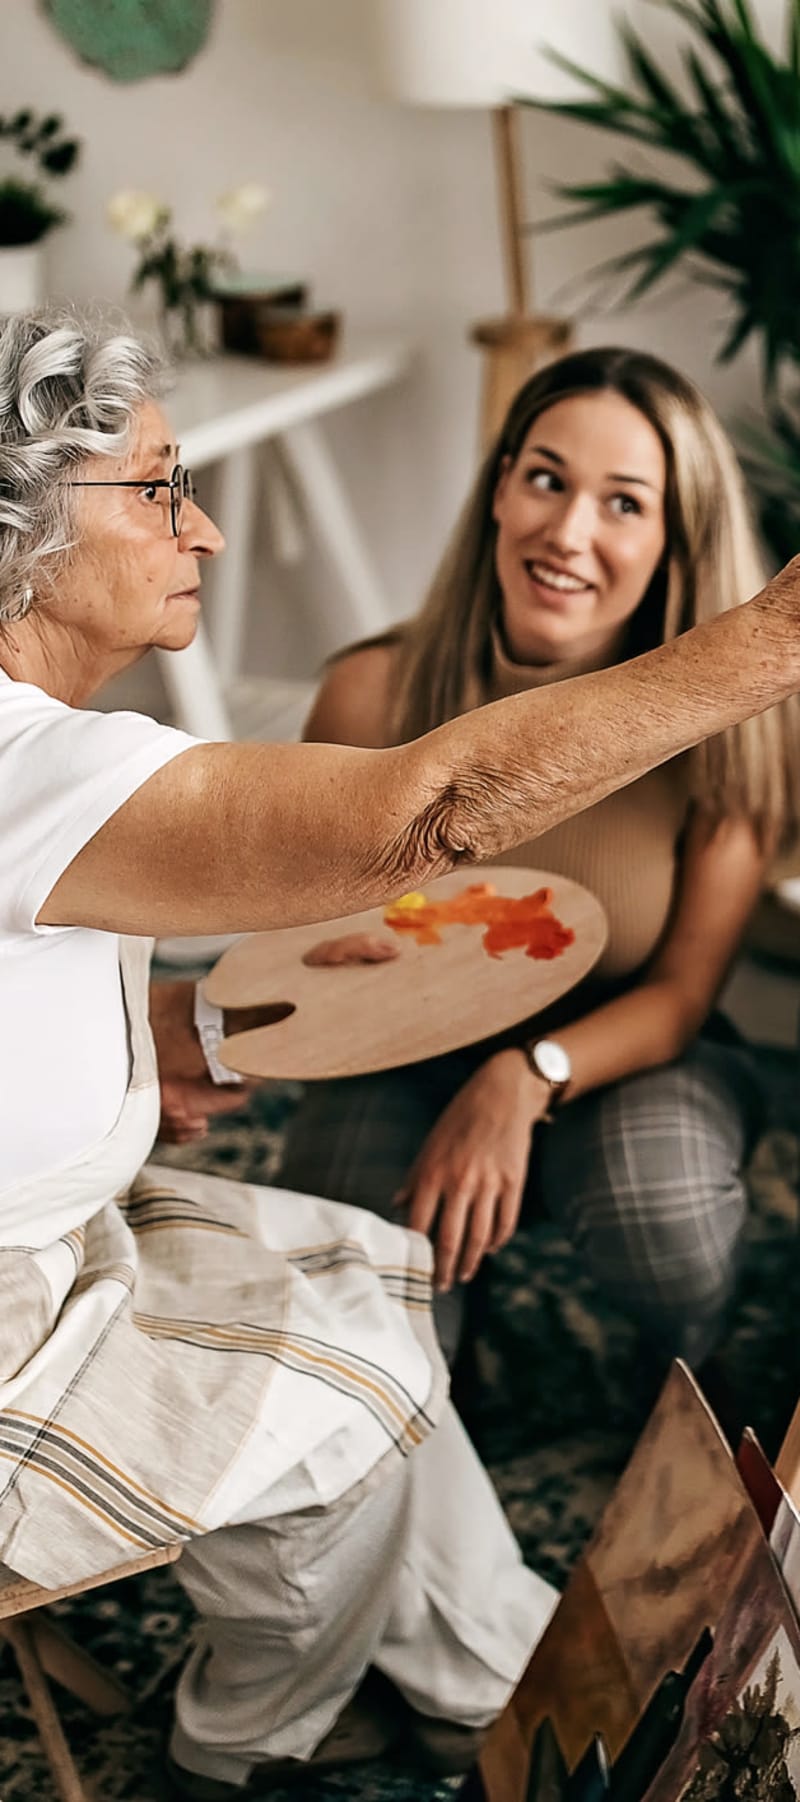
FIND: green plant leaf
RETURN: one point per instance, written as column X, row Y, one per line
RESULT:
column 58, row 159
column 723, row 125
column 794, row 39
column 687, row 235
column 732, row 210
column 601, row 198
column 737, row 336
column 605, row 90
column 25, row 213
column 663, row 96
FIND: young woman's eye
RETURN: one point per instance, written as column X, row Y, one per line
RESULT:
column 544, row 479
column 624, row 504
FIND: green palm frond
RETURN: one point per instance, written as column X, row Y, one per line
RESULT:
column 733, row 210
column 770, row 454
column 794, row 44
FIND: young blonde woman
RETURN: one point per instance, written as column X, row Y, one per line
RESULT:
column 608, row 517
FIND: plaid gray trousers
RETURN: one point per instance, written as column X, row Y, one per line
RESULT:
column 645, row 1176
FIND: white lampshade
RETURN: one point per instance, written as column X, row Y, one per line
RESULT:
column 487, row 52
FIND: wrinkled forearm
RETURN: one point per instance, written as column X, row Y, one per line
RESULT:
column 233, row 838
column 375, row 823
column 513, row 770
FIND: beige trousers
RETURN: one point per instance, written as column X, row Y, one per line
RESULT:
column 419, row 1576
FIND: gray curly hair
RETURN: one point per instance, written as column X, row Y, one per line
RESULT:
column 70, row 388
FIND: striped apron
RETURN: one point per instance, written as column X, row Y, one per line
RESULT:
column 198, row 1352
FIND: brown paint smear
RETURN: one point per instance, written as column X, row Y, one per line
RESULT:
column 351, row 948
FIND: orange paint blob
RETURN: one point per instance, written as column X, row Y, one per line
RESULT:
column 524, row 922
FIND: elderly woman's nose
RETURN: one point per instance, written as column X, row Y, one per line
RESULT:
column 198, row 532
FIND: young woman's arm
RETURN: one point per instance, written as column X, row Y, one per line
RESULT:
column 468, row 1180
column 232, row 838
column 352, row 703
column 721, row 877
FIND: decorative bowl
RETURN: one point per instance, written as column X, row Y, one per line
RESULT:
column 279, row 334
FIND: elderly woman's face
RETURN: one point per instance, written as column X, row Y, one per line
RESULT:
column 130, row 583
column 580, row 528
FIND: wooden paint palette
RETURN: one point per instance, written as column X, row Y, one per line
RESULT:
column 354, row 1018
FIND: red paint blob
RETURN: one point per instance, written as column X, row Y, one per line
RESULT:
column 523, row 922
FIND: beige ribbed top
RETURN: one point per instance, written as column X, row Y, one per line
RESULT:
column 623, row 849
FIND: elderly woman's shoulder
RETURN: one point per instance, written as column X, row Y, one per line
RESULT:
column 353, row 703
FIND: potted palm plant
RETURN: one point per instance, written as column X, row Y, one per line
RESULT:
column 723, row 193
column 27, row 213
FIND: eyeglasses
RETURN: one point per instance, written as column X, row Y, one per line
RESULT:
column 180, row 488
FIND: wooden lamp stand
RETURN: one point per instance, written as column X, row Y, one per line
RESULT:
column 522, row 341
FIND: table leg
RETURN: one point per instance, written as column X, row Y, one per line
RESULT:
column 232, row 576
column 194, row 688
column 286, row 534
column 331, row 517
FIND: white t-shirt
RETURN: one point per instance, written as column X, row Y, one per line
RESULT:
column 63, row 1033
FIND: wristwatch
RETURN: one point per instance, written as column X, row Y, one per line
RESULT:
column 549, row 1060
column 213, row 1024
column 210, row 1027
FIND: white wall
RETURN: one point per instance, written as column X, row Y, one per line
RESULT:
column 390, row 212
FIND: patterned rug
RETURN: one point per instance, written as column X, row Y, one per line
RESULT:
column 555, row 1396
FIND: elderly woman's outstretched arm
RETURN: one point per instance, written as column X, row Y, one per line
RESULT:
column 248, row 837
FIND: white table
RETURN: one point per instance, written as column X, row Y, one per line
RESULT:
column 222, row 410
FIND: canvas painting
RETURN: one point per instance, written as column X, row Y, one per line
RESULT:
column 740, row 1736
column 785, row 1543
column 678, row 1538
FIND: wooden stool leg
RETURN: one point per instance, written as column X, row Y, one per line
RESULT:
column 79, row 1672
column 68, row 1784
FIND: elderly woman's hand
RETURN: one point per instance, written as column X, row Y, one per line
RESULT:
column 466, row 1186
column 188, row 1096
column 186, row 1108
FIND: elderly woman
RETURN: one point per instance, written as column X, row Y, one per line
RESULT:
column 248, row 1373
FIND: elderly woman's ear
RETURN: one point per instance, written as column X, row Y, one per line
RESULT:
column 17, row 610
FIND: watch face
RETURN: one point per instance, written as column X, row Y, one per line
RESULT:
column 552, row 1060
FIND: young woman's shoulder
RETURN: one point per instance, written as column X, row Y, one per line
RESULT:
column 352, row 703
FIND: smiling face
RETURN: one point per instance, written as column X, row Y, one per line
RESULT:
column 129, row 583
column 580, row 528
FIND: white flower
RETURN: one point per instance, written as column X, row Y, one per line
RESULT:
column 135, row 214
column 240, row 206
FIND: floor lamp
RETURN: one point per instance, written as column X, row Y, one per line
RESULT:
column 520, row 340
column 482, row 53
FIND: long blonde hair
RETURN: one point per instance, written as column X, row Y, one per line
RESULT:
column 712, row 562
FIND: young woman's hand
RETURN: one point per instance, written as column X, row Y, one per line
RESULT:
column 465, row 1188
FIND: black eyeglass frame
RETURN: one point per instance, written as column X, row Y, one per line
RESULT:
column 180, row 484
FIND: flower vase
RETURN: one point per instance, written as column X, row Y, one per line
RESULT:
column 188, row 330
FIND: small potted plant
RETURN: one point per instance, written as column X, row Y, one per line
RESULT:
column 185, row 276
column 27, row 213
